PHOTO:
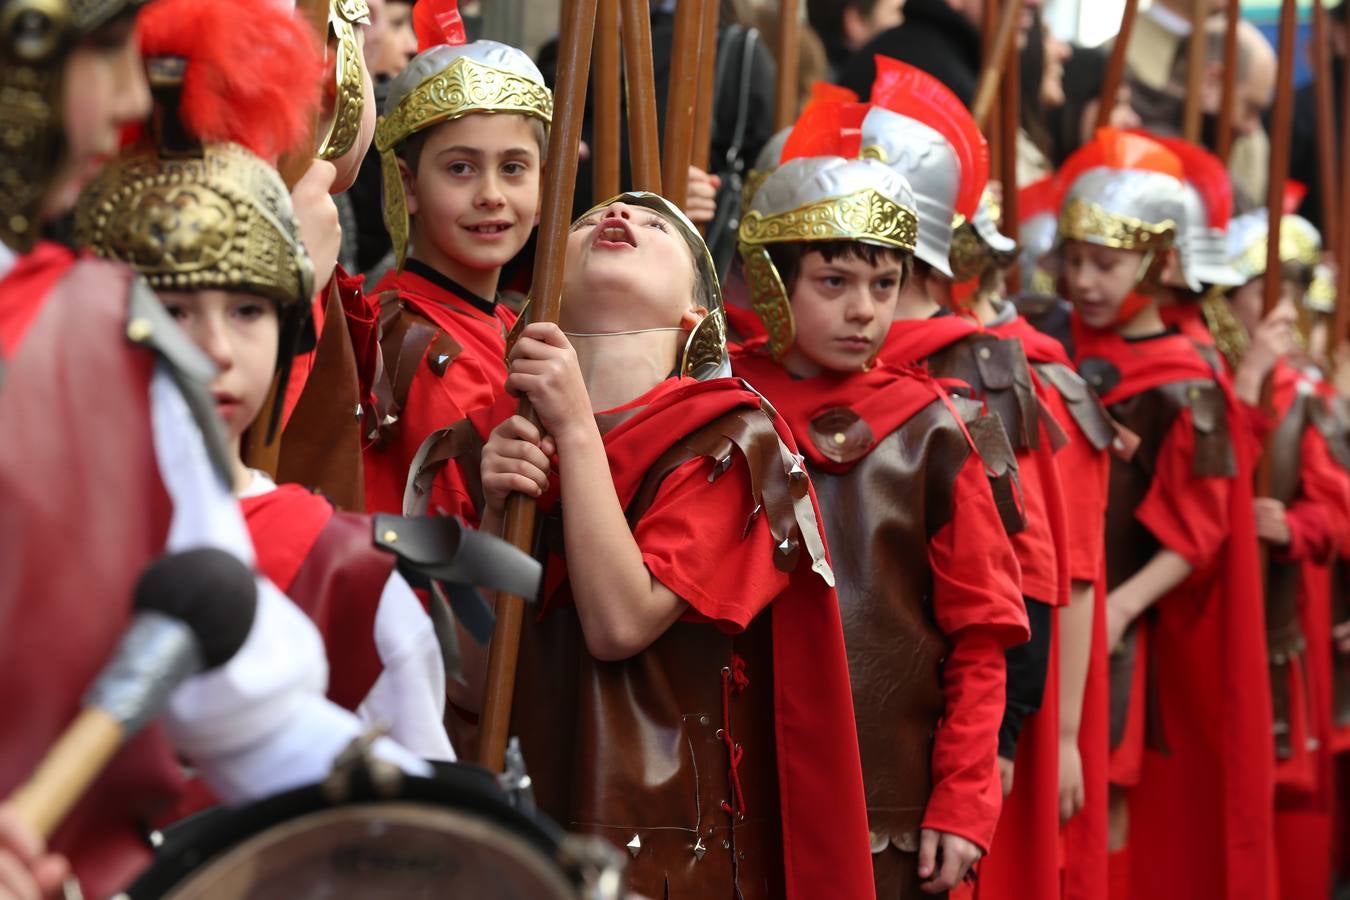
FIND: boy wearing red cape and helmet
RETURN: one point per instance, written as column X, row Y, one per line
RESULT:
column 1191, row 770
column 683, row 691
column 921, row 130
column 461, row 143
column 118, row 455
column 979, row 257
column 928, row 584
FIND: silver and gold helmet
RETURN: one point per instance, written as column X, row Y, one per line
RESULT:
column 1204, row 250
column 977, row 244
column 765, row 164
column 35, row 38
column 816, row 199
column 1300, row 243
column 929, row 164
column 447, row 82
column 1321, row 296
column 1036, row 238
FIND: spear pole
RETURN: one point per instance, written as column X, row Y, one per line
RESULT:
column 605, row 137
column 786, row 54
column 1011, row 118
column 644, row 141
column 996, row 58
column 1115, row 69
column 574, row 56
column 1195, row 73
column 1228, row 103
column 681, row 100
column 705, row 108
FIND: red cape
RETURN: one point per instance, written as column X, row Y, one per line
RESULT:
column 1201, row 816
column 825, row 845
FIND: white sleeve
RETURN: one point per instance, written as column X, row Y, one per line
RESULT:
column 260, row 723
column 408, row 698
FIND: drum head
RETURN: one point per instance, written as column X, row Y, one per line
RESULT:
column 401, row 850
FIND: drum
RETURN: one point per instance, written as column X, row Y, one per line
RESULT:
column 374, row 833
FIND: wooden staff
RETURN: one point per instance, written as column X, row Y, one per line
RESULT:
column 681, row 100
column 1228, row 103
column 1195, row 72
column 644, row 142
column 988, row 34
column 705, row 107
column 1326, row 128
column 1342, row 250
column 605, row 140
column 1011, row 116
column 574, row 55
column 996, row 57
column 787, row 53
column 1115, row 70
column 1281, row 129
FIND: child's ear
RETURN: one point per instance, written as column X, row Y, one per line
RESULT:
column 409, row 186
column 691, row 317
column 1171, row 273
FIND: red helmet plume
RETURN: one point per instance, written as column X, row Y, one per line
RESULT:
column 912, row 92
column 1041, row 196
column 253, row 70
column 1206, row 174
column 438, row 22
column 1116, row 149
column 826, row 129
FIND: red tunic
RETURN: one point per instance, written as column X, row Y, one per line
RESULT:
column 83, row 512
column 446, row 384
column 694, row 539
column 1031, row 820
column 979, row 616
column 1200, row 814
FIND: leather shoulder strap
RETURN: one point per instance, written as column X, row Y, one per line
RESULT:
column 1214, row 456
column 406, row 338
column 991, row 442
column 1084, row 406
column 460, row 443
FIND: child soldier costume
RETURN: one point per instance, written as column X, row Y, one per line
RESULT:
column 441, row 348
column 928, row 585
column 1194, row 766
column 718, row 757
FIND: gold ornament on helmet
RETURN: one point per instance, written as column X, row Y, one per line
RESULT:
column 220, row 221
column 444, row 83
column 1083, row 220
column 349, row 77
column 814, row 200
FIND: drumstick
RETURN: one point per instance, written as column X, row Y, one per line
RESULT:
column 574, row 55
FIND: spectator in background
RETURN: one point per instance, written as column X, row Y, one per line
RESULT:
column 1303, row 151
column 1042, row 62
column 942, row 37
column 813, row 63
column 843, row 26
column 1072, row 123
column 396, row 42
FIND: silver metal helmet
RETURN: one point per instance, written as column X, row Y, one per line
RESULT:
column 817, row 199
column 1300, row 242
column 1129, row 209
column 930, row 165
column 1036, row 237
column 1204, row 251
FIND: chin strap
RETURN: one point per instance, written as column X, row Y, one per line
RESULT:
column 593, row 334
column 1137, row 298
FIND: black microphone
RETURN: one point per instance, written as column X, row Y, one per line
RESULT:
column 192, row 612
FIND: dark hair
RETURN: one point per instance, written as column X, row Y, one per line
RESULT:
column 827, row 16
column 787, row 258
column 1032, row 61
column 1084, row 76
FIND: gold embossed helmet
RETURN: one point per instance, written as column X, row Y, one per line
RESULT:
column 1300, row 244
column 443, row 83
column 977, row 244
column 1124, row 191
column 814, row 199
column 35, row 38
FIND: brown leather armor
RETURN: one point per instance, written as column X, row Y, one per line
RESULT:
column 996, row 368
column 879, row 517
column 641, row 751
column 1149, row 416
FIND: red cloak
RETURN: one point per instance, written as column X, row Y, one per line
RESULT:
column 726, row 574
column 462, row 369
column 1200, row 814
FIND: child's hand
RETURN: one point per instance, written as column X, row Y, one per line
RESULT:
column 1072, row 795
column 27, row 872
column 700, row 203
column 944, row 860
column 1271, row 523
column 515, row 459
column 1341, row 634
column 543, row 367
column 320, row 231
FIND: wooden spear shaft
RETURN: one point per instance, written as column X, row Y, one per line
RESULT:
column 1011, row 103
column 1325, row 93
column 996, row 60
column 644, row 141
column 1193, row 109
column 1281, row 129
column 988, row 32
column 605, row 139
column 681, row 100
column 705, row 108
column 1343, row 249
column 574, row 55
column 1115, row 70
column 1228, row 103
column 786, row 54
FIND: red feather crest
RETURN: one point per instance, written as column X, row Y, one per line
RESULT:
column 912, row 92
column 1116, row 149
column 438, row 22
column 1041, row 196
column 253, row 70
column 1206, row 174
column 826, row 129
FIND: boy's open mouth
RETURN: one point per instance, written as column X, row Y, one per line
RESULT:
column 489, row 227
column 614, row 232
